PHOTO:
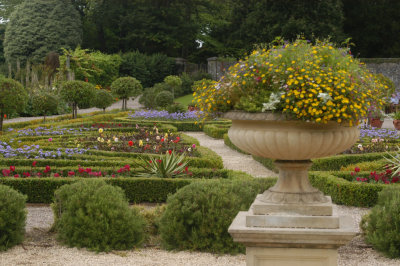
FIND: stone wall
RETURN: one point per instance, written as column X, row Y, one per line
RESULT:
column 390, row 67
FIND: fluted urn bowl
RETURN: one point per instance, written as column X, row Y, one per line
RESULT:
column 292, row 143
column 272, row 136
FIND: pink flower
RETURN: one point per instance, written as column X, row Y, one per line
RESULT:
column 50, row 139
column 6, row 172
column 34, row 163
column 357, row 169
column 71, row 173
column 194, row 146
column 12, row 168
column 56, row 175
column 16, row 175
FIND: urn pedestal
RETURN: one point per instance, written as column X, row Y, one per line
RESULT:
column 292, row 223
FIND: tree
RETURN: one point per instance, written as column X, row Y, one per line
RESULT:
column 44, row 103
column 245, row 23
column 7, row 7
column 126, row 87
column 78, row 94
column 174, row 83
column 13, row 97
column 103, row 99
column 373, row 26
column 37, row 27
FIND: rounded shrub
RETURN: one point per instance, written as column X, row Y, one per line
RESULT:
column 12, row 217
column 197, row 217
column 164, row 98
column 103, row 99
column 381, row 226
column 78, row 93
column 176, row 108
column 44, row 103
column 97, row 216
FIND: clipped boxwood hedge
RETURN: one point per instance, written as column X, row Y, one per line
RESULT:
column 216, row 131
column 41, row 190
column 346, row 192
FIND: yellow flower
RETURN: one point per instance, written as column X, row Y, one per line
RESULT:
column 100, row 130
column 140, row 143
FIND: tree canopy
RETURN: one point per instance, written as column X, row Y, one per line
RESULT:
column 37, row 27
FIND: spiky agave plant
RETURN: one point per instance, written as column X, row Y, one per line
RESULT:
column 172, row 165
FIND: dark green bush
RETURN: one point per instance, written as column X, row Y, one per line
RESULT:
column 126, row 87
column 197, row 217
column 44, row 103
column 382, row 225
column 97, row 216
column 12, row 217
column 164, row 98
column 149, row 94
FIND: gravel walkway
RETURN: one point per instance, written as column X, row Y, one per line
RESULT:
column 232, row 159
column 117, row 105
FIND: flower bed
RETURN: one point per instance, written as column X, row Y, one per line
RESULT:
column 164, row 115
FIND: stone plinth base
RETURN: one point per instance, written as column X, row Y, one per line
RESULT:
column 290, row 257
column 295, row 234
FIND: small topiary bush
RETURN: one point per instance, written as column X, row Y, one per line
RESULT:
column 97, row 216
column 382, row 225
column 12, row 217
column 164, row 98
column 197, row 217
column 126, row 87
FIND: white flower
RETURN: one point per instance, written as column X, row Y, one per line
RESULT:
column 274, row 99
column 360, row 146
column 189, row 149
column 324, row 96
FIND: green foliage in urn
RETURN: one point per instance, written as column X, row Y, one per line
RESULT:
column 312, row 82
column 126, row 87
column 103, row 99
column 97, row 216
column 78, row 94
column 37, row 27
column 13, row 98
column 44, row 103
column 12, row 217
column 382, row 225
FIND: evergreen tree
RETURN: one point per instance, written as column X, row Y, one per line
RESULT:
column 374, row 27
column 37, row 27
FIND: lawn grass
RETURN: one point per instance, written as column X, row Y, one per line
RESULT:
column 185, row 100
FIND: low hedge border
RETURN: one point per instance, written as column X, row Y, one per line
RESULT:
column 41, row 190
column 216, row 131
column 346, row 192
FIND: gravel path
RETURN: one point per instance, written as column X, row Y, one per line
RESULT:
column 232, row 159
column 117, row 105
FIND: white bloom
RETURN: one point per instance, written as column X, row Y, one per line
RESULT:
column 274, row 99
column 324, row 96
column 360, row 146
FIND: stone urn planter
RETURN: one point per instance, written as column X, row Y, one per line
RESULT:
column 291, row 222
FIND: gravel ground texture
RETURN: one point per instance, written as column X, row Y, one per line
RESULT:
column 232, row 159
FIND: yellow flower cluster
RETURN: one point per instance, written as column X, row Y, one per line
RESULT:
column 317, row 83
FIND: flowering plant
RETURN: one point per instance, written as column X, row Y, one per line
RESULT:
column 318, row 83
